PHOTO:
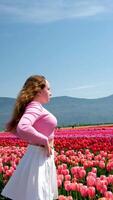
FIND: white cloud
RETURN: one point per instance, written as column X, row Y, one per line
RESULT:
column 51, row 10
column 84, row 87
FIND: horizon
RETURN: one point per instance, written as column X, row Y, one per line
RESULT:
column 69, row 97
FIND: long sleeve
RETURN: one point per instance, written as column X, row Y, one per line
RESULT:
column 25, row 129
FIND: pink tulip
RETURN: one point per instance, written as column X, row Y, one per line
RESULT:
column 61, row 197
column 69, row 198
column 67, row 185
column 1, row 168
column 103, row 154
column 94, row 170
column 59, row 168
column 82, row 173
column 59, row 183
column 84, row 190
column 65, row 171
column 91, row 192
column 73, row 186
column 78, row 186
column 64, row 165
column 67, row 177
column 92, row 174
column 74, row 170
column 91, row 180
column 109, row 194
column 60, row 176
column 6, row 168
column 102, row 164
column 103, row 189
column 109, row 166
column 110, row 179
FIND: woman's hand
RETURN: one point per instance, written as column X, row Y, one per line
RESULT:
column 49, row 149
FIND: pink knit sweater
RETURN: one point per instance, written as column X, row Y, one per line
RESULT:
column 36, row 126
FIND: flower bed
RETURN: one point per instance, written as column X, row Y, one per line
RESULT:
column 84, row 163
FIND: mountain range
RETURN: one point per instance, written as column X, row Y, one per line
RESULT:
column 68, row 110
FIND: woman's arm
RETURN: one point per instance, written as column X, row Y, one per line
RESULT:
column 25, row 129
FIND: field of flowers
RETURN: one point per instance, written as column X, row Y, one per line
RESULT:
column 83, row 158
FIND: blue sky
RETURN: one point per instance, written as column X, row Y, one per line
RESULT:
column 69, row 42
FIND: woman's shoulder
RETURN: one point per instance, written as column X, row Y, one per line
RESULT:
column 34, row 106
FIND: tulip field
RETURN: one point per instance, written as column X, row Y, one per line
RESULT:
column 83, row 159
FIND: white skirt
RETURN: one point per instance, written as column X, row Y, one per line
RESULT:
column 34, row 178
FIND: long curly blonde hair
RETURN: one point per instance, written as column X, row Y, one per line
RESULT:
column 32, row 86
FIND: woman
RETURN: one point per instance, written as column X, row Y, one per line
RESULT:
column 35, row 176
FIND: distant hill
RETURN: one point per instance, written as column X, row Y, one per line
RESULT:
column 69, row 110
column 6, row 106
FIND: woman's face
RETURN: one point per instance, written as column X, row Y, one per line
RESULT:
column 45, row 94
